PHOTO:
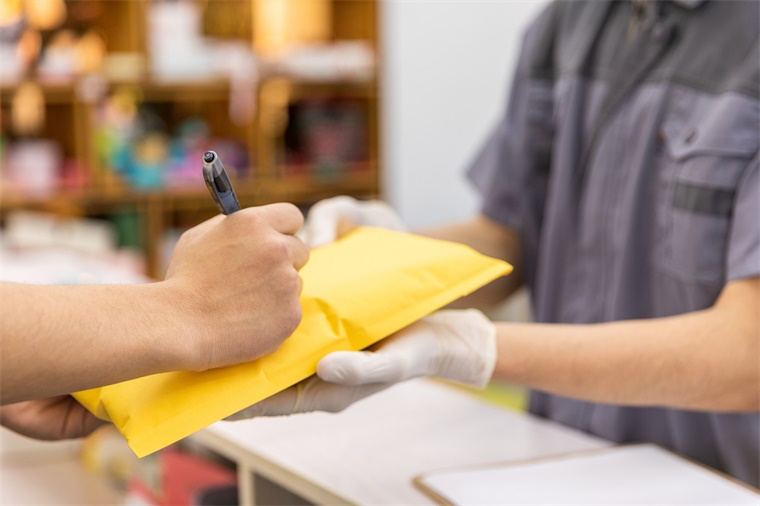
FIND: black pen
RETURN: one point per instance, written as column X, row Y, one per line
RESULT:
column 218, row 184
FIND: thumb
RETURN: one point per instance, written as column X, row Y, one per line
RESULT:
column 352, row 368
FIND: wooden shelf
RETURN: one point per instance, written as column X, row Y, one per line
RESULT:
column 361, row 179
column 54, row 93
column 74, row 122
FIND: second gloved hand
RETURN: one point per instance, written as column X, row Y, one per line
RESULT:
column 454, row 345
column 331, row 219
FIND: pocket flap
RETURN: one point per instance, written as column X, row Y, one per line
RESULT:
column 696, row 140
column 729, row 127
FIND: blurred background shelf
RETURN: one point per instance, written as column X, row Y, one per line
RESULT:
column 107, row 105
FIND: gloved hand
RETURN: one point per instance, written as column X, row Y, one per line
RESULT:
column 330, row 219
column 455, row 345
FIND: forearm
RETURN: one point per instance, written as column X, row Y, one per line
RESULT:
column 706, row 360
column 492, row 239
column 230, row 296
column 61, row 339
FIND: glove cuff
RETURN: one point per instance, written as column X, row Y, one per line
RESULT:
column 490, row 353
column 467, row 341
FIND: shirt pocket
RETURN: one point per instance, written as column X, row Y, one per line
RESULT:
column 702, row 165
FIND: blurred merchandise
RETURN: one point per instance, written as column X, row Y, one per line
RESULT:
column 28, row 230
column 44, row 14
column 29, row 46
column 126, row 224
column 176, row 44
column 13, row 66
column 28, row 109
column 73, row 175
column 62, row 266
column 236, row 61
column 294, row 38
column 10, row 12
column 190, row 141
column 32, row 167
column 90, row 51
column 131, row 141
column 36, row 472
column 14, row 58
column 134, row 141
column 123, row 66
column 59, row 61
column 340, row 61
column 106, row 107
column 91, row 89
column 174, row 477
column 105, row 453
column 169, row 241
column 324, row 137
column 180, row 51
column 281, row 24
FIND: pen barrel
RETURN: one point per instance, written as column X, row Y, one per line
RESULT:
column 228, row 202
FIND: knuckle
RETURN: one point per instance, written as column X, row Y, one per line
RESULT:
column 291, row 209
column 291, row 282
column 288, row 306
column 296, row 313
column 246, row 223
column 292, row 316
column 269, row 248
column 249, row 218
column 287, row 211
column 288, row 284
column 302, row 250
column 278, row 248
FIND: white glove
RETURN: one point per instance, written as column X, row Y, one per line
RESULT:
column 455, row 345
column 312, row 394
column 333, row 218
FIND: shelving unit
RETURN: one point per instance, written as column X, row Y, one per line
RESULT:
column 71, row 122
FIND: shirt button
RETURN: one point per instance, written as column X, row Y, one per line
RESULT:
column 658, row 32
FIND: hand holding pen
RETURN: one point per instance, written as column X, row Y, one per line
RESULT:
column 231, row 292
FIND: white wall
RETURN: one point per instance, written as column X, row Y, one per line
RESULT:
column 446, row 68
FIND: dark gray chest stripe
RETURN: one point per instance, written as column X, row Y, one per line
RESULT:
column 704, row 200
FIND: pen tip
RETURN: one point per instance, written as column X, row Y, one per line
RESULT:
column 208, row 156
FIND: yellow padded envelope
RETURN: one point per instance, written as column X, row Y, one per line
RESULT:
column 356, row 291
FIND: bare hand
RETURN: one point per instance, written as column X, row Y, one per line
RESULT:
column 50, row 419
column 236, row 279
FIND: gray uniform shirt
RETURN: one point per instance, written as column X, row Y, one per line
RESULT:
column 627, row 160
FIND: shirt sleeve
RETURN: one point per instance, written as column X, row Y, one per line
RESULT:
column 743, row 255
column 511, row 169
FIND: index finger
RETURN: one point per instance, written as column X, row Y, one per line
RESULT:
column 283, row 217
